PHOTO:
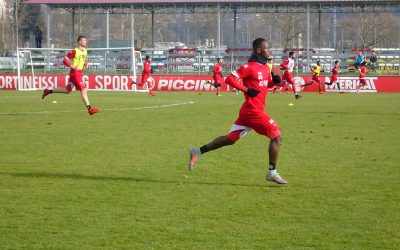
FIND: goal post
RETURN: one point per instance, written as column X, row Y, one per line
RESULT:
column 32, row 63
column 19, row 81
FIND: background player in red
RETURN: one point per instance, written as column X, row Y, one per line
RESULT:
column 316, row 70
column 334, row 76
column 256, row 79
column 363, row 72
column 76, row 60
column 217, row 75
column 288, row 66
column 146, row 78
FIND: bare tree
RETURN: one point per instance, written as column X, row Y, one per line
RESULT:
column 288, row 27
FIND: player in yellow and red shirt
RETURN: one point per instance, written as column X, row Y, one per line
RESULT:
column 77, row 61
column 316, row 70
column 256, row 78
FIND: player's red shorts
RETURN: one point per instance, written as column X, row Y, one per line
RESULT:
column 149, row 80
column 259, row 121
column 334, row 78
column 218, row 80
column 288, row 77
column 316, row 78
column 144, row 78
column 76, row 78
column 362, row 81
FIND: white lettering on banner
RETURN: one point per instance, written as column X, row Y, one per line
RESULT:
column 112, row 82
column 98, row 83
column 350, row 84
column 162, row 84
column 188, row 85
column 28, row 82
column 6, row 81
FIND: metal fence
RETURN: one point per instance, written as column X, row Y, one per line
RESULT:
column 201, row 60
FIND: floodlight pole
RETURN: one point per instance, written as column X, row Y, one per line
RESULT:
column 133, row 61
column 218, row 30
column 107, row 39
column 398, row 45
column 308, row 35
column 234, row 28
column 319, row 28
column 72, row 36
column 153, row 44
column 16, row 23
column 108, row 29
column 334, row 27
column 48, row 36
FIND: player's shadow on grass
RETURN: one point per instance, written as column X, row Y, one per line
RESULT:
column 112, row 178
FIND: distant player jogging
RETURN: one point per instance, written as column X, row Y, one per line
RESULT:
column 256, row 79
column 316, row 70
column 77, row 61
column 363, row 73
column 334, row 77
column 287, row 78
column 146, row 78
column 218, row 79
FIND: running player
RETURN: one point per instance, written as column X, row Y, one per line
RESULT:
column 287, row 77
column 256, row 79
column 76, row 60
column 334, row 76
column 316, row 70
column 363, row 72
column 146, row 78
column 217, row 76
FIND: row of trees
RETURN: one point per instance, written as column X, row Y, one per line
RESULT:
column 363, row 29
column 28, row 18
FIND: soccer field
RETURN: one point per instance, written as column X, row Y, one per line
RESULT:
column 119, row 179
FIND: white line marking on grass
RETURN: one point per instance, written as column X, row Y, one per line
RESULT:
column 151, row 107
column 118, row 109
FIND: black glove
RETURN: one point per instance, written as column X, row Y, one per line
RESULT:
column 151, row 71
column 252, row 92
column 276, row 78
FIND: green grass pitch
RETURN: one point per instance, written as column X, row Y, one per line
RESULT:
column 119, row 179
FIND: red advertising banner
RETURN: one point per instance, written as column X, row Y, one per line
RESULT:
column 188, row 83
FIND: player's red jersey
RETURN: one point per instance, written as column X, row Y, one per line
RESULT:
column 146, row 71
column 335, row 72
column 363, row 71
column 288, row 64
column 255, row 76
column 217, row 73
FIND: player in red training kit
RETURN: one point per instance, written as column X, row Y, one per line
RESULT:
column 217, row 76
column 363, row 72
column 334, row 76
column 316, row 70
column 256, row 79
column 287, row 77
column 76, row 60
column 146, row 78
